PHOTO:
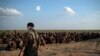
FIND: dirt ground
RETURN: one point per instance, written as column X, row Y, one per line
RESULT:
column 87, row 48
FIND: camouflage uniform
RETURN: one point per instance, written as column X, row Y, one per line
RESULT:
column 31, row 43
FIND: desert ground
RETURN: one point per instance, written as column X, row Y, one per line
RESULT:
column 86, row 48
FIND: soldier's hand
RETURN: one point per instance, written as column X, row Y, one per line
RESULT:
column 20, row 54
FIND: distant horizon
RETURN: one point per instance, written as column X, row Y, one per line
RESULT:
column 51, row 29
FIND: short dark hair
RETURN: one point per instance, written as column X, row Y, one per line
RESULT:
column 30, row 24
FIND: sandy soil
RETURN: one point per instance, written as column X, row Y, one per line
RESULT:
column 87, row 48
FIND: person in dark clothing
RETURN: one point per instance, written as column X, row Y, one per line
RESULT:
column 30, row 42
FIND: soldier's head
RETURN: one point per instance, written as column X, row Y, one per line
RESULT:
column 30, row 25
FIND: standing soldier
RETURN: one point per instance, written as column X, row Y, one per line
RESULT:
column 30, row 42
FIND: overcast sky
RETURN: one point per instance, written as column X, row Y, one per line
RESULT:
column 50, row 14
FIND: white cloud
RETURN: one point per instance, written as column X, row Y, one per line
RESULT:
column 9, row 12
column 38, row 8
column 69, row 11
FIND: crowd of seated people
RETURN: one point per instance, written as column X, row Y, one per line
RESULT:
column 66, row 37
column 11, row 40
column 14, row 40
